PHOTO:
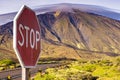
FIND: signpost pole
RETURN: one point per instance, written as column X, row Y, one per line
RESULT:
column 25, row 73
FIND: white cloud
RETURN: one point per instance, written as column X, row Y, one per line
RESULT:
column 7, row 6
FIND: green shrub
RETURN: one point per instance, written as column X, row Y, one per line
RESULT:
column 80, row 70
column 89, row 67
column 105, row 63
column 117, row 61
column 6, row 62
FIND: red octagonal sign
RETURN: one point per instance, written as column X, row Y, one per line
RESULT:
column 26, row 37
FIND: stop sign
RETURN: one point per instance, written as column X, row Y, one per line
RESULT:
column 26, row 37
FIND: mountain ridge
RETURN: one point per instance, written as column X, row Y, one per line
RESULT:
column 4, row 18
column 75, row 34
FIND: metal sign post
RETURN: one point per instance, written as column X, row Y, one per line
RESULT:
column 25, row 73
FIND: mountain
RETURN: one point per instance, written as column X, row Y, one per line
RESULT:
column 82, row 7
column 80, row 31
column 72, row 33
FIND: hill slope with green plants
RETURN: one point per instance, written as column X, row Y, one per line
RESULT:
column 84, row 70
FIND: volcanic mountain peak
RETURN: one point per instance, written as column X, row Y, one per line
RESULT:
column 82, row 31
column 74, row 34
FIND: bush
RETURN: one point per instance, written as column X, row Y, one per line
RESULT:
column 6, row 62
column 105, row 63
column 80, row 70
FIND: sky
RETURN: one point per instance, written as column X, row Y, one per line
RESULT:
column 7, row 6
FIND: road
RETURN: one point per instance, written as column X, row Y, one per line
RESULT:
column 16, row 73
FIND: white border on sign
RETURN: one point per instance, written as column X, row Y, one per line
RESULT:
column 15, row 35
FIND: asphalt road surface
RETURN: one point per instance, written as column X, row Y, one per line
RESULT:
column 16, row 73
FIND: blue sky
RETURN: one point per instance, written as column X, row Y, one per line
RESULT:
column 7, row 6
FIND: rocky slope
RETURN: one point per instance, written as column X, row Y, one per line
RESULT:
column 72, row 34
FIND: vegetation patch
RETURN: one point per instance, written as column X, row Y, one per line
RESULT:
column 7, row 64
column 83, row 70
